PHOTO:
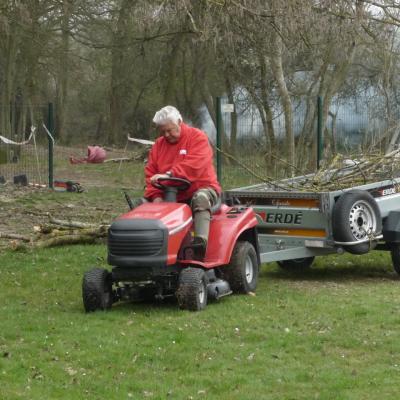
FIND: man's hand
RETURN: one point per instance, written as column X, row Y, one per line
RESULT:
column 156, row 177
column 158, row 200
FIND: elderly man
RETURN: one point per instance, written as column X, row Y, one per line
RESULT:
column 182, row 151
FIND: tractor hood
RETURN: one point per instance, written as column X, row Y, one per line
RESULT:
column 174, row 216
column 148, row 236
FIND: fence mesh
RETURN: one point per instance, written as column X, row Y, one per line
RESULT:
column 30, row 157
column 248, row 155
column 349, row 128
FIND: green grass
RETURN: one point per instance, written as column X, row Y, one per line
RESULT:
column 111, row 174
column 92, row 197
column 327, row 334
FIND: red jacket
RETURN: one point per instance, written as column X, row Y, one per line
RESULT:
column 190, row 158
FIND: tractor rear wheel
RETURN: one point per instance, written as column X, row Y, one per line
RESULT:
column 97, row 290
column 242, row 270
column 192, row 289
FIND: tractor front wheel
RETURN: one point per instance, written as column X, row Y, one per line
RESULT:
column 97, row 290
column 192, row 289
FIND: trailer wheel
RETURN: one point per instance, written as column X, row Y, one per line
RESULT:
column 356, row 217
column 297, row 264
column 97, row 290
column 395, row 253
column 242, row 270
column 192, row 289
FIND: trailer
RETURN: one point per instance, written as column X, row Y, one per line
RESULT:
column 295, row 225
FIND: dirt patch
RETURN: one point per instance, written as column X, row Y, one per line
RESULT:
column 22, row 209
column 122, row 167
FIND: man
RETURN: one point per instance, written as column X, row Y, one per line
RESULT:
column 182, row 151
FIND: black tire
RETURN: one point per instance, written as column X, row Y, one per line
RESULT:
column 355, row 217
column 243, row 269
column 192, row 289
column 395, row 253
column 97, row 290
column 297, row 264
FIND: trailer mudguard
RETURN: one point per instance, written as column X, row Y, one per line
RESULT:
column 391, row 227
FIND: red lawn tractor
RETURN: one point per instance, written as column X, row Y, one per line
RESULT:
column 152, row 256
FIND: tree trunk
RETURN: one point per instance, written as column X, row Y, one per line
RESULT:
column 265, row 102
column 171, row 70
column 266, row 119
column 277, row 69
column 10, row 60
column 118, row 83
column 233, row 116
column 63, row 75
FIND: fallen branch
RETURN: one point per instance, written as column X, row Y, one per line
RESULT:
column 58, row 233
column 119, row 159
column 56, row 241
column 51, row 231
column 15, row 236
column 65, row 240
column 70, row 223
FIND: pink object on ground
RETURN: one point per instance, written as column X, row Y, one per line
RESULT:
column 96, row 155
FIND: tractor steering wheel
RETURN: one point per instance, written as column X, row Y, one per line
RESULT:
column 185, row 184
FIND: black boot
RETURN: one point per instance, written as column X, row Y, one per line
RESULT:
column 199, row 246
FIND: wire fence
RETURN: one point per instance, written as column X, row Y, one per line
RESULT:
column 247, row 154
column 249, row 150
column 24, row 145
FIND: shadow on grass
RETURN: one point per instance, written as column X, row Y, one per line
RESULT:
column 326, row 273
column 169, row 305
column 143, row 306
column 149, row 307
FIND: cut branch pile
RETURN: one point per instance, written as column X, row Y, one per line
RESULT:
column 344, row 172
column 58, row 233
column 340, row 173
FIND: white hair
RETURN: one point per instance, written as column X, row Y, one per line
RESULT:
column 167, row 114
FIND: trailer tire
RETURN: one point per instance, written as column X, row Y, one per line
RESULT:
column 395, row 253
column 243, row 269
column 297, row 264
column 356, row 215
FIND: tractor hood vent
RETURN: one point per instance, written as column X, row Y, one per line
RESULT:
column 137, row 243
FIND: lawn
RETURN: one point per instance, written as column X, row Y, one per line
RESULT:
column 327, row 334
column 330, row 333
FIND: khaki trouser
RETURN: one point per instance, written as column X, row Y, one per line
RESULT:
column 202, row 201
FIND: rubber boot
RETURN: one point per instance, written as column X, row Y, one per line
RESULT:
column 201, row 230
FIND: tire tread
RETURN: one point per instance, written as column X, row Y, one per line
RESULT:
column 93, row 289
column 187, row 294
column 234, row 272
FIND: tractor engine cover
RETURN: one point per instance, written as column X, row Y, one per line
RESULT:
column 137, row 243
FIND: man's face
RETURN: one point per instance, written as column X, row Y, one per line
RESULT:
column 170, row 131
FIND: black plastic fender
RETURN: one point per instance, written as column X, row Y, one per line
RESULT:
column 391, row 227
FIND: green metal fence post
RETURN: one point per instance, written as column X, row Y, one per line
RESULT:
column 50, row 127
column 218, row 118
column 320, row 139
